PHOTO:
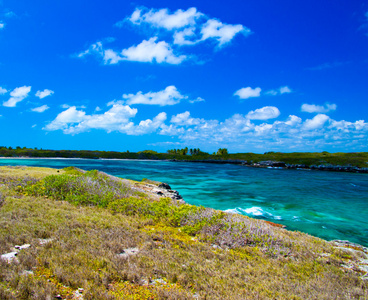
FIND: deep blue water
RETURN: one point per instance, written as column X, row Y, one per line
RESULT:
column 330, row 205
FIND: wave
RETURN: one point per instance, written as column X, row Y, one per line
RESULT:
column 254, row 211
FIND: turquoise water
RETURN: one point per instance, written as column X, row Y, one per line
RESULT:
column 330, row 205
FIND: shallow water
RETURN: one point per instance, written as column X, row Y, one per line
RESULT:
column 330, row 205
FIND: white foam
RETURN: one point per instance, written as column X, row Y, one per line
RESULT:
column 232, row 211
column 255, row 211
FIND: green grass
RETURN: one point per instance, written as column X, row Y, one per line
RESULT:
column 184, row 250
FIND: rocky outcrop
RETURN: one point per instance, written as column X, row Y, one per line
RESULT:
column 327, row 167
column 358, row 254
column 158, row 189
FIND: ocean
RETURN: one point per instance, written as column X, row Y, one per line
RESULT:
column 330, row 205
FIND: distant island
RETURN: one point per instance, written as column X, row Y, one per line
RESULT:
column 343, row 162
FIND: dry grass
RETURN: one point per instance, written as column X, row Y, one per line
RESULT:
column 222, row 256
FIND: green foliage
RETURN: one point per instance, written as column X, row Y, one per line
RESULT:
column 146, row 152
column 91, row 188
column 357, row 159
column 73, row 171
column 222, row 151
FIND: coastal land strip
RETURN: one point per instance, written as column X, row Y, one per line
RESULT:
column 72, row 234
column 356, row 162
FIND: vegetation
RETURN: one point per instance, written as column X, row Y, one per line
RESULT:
column 81, row 226
column 357, row 159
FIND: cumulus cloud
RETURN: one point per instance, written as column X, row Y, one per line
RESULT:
column 317, row 122
column 238, row 132
column 264, row 113
column 117, row 118
column 293, row 120
column 186, row 36
column 185, row 27
column 311, row 108
column 248, row 92
column 285, row 90
column 148, row 126
column 185, row 119
column 147, row 51
column 190, row 26
column 40, row 109
column 44, row 93
column 169, row 96
column 17, row 95
column 73, row 121
column 2, row 25
column 3, row 91
column 162, row 18
column 223, row 33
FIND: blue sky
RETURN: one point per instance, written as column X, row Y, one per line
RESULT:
column 251, row 76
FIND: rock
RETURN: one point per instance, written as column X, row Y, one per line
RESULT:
column 45, row 241
column 8, row 257
column 158, row 281
column 164, row 185
column 128, row 252
column 27, row 273
column 25, row 246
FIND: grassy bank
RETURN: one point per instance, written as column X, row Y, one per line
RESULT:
column 101, row 237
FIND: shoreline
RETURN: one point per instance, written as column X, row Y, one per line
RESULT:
column 270, row 164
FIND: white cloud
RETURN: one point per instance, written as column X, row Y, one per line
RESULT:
column 40, row 109
column 186, row 37
column 148, row 51
column 285, row 90
column 162, row 18
column 17, row 95
column 237, row 132
column 223, row 33
column 190, row 26
column 311, row 108
column 264, row 113
column 110, row 57
column 347, row 126
column 2, row 25
column 317, row 122
column 293, row 120
column 169, row 96
column 280, row 91
column 272, row 92
column 148, row 126
column 198, row 99
column 3, row 91
column 73, row 121
column 248, row 92
column 44, row 93
column 185, row 119
column 65, row 106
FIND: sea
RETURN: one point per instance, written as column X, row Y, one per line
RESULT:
column 329, row 205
